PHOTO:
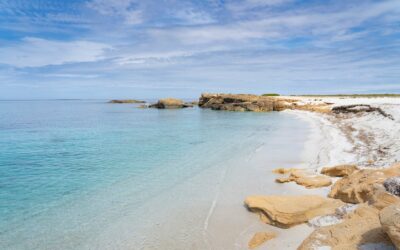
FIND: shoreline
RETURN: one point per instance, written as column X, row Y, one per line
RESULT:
column 367, row 140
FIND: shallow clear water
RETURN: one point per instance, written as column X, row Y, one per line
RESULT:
column 92, row 175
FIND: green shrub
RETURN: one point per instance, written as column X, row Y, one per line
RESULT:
column 270, row 94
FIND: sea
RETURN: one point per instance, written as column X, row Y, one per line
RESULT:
column 86, row 174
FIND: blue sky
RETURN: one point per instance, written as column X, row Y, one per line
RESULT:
column 159, row 48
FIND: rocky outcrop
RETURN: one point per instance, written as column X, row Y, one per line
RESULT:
column 381, row 198
column 286, row 211
column 255, row 103
column 260, row 238
column 126, row 101
column 390, row 220
column 240, row 102
column 306, row 179
column 359, row 228
column 392, row 185
column 170, row 103
column 339, row 171
column 359, row 186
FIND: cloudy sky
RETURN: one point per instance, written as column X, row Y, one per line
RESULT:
column 178, row 48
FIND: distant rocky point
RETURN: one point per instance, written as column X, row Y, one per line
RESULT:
column 170, row 103
column 255, row 103
column 126, row 101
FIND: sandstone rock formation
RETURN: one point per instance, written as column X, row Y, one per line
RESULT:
column 286, row 211
column 392, row 185
column 243, row 102
column 362, row 227
column 170, row 103
column 283, row 170
column 126, row 101
column 381, row 198
column 359, row 186
column 339, row 171
column 390, row 220
column 260, row 238
column 306, row 179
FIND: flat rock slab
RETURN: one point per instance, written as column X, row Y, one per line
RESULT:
column 286, row 210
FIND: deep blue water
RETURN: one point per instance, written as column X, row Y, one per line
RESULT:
column 70, row 167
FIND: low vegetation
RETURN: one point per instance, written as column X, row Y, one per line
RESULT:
column 271, row 94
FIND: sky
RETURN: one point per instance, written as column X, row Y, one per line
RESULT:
column 175, row 48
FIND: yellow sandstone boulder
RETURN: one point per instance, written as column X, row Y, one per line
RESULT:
column 359, row 186
column 390, row 220
column 260, row 238
column 286, row 210
column 362, row 227
column 339, row 171
column 306, row 179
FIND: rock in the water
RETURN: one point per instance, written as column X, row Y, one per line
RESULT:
column 359, row 186
column 392, row 185
column 390, row 220
column 283, row 170
column 358, row 228
column 339, row 171
column 260, row 238
column 170, row 103
column 286, row 211
column 126, row 101
column 306, row 179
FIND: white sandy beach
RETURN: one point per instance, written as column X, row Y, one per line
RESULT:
column 368, row 140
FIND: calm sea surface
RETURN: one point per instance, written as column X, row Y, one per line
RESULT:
column 92, row 175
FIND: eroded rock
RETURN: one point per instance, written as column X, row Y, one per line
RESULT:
column 286, row 211
column 381, row 198
column 359, row 186
column 306, row 179
column 170, row 103
column 339, row 171
column 358, row 228
column 390, row 220
column 260, row 238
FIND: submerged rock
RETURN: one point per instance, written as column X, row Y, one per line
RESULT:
column 126, row 101
column 392, row 185
column 260, row 238
column 357, row 229
column 390, row 220
column 286, row 211
column 170, row 103
column 359, row 186
column 339, row 171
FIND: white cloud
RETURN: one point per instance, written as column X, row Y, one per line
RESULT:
column 125, row 9
column 37, row 52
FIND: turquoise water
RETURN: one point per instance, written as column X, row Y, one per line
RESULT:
column 83, row 174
